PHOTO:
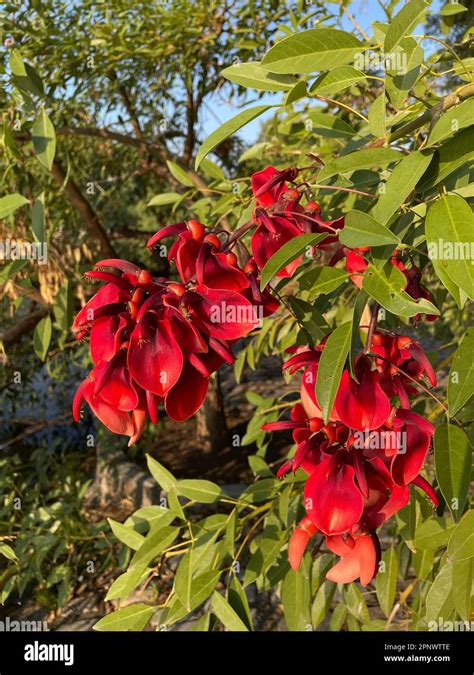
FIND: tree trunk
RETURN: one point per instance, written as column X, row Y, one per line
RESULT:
column 211, row 427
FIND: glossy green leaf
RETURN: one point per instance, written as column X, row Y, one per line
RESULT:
column 295, row 596
column 155, row 543
column 461, row 542
column 42, row 337
column 203, row 491
column 401, row 183
column 227, row 129
column 386, row 580
column 311, row 50
column 126, row 535
column 331, row 364
column 10, row 203
column 134, row 618
column 361, row 229
column 163, row 477
column 253, row 76
column 453, row 458
column 44, row 140
column 461, row 375
column 226, row 614
column 180, row 174
column 336, row 80
column 433, row 533
column 402, row 24
column 449, row 234
column 362, row 159
column 439, row 601
column 164, row 199
column 291, row 250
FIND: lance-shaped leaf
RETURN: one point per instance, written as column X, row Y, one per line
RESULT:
column 312, row 50
column 331, row 364
column 253, row 76
column 449, row 234
column 10, row 203
column 362, row 159
column 401, row 183
column 461, row 375
column 42, row 337
column 407, row 18
column 203, row 491
column 163, row 477
column 453, row 465
column 286, row 254
column 226, row 614
column 386, row 580
column 134, row 617
column 360, row 229
column 44, row 140
column 227, row 129
column 336, row 80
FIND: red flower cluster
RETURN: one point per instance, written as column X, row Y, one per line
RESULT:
column 279, row 217
column 361, row 462
column 154, row 341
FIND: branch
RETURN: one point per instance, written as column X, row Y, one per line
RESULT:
column 23, row 326
column 80, row 203
column 432, row 115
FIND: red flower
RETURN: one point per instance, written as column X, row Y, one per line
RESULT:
column 269, row 184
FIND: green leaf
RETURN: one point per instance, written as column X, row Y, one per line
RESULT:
column 361, row 159
column 462, row 587
column 376, row 117
column 227, row 129
column 461, row 542
column 331, row 364
column 239, row 602
column 37, row 219
column 202, row 587
column 451, row 121
column 226, row 614
column 286, row 254
column 401, row 183
column 180, row 174
column 11, row 203
column 203, row 491
column 126, row 535
column 403, row 23
column 355, row 603
column 322, row 280
column 44, row 140
column 163, row 477
column 133, row 617
column 336, row 80
column 260, row 491
column 452, row 155
column 155, row 543
column 298, row 92
column 269, row 547
column 322, row 602
column 295, row 597
column 360, row 229
column 310, row 318
column 328, row 125
column 451, row 8
column 42, row 337
column 386, row 581
column 251, row 75
column 433, row 533
column 399, row 82
column 449, row 228
column 126, row 582
column 183, row 580
column 461, row 375
column 212, row 170
column 453, row 465
column 8, row 552
column 164, row 198
column 386, row 287
column 24, row 76
column 311, row 50
column 359, row 306
column 439, row 601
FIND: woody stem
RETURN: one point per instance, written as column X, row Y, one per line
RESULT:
column 237, row 234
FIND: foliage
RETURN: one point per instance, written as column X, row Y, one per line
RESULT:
column 389, row 149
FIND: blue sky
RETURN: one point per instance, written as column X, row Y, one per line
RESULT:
column 217, row 111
